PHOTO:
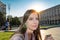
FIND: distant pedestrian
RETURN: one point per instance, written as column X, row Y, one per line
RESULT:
column 7, row 24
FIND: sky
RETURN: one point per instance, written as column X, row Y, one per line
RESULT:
column 19, row 7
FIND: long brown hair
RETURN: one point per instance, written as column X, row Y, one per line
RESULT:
column 22, row 29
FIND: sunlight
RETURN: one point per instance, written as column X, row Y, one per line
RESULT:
column 37, row 7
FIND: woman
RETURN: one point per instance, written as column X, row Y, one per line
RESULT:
column 29, row 29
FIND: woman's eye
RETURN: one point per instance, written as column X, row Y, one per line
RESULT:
column 37, row 19
column 31, row 19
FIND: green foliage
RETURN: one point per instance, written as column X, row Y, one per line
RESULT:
column 43, row 26
column 15, row 21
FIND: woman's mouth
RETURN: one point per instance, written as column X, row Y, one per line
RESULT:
column 34, row 25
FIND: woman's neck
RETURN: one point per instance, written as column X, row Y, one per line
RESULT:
column 29, row 31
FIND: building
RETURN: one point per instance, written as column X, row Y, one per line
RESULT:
column 50, row 16
column 2, row 13
column 2, row 7
column 21, row 19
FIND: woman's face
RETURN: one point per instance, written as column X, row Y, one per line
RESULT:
column 32, row 22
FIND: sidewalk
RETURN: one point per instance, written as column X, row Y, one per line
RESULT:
column 8, row 30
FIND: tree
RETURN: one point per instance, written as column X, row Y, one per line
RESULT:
column 9, row 17
column 15, row 21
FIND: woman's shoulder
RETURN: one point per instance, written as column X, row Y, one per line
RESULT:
column 17, row 37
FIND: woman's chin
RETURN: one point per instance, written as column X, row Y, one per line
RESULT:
column 34, row 29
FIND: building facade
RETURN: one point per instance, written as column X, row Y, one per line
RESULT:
column 50, row 16
column 2, row 13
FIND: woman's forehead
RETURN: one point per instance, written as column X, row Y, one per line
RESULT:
column 33, row 15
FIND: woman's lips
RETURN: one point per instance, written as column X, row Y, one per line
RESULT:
column 34, row 25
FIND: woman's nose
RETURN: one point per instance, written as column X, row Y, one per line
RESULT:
column 35, row 21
